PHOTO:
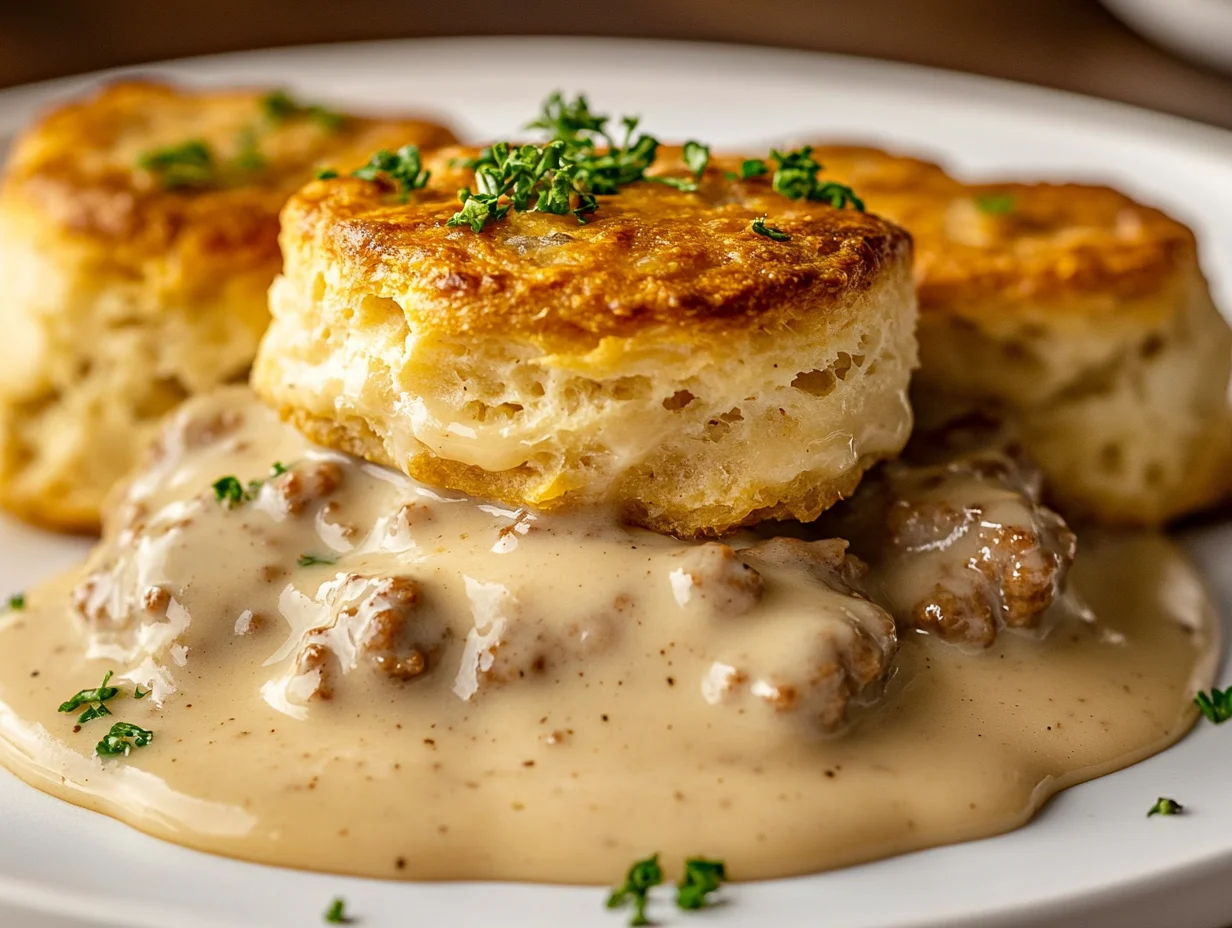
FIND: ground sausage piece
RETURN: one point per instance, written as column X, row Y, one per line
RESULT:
column 91, row 599
column 839, row 648
column 712, row 572
column 304, row 484
column 377, row 621
column 386, row 616
column 529, row 647
column 964, row 549
column 312, row 663
column 207, row 429
column 827, row 559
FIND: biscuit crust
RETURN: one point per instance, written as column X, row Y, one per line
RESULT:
column 653, row 255
column 637, row 359
column 77, row 171
column 979, row 245
column 125, row 296
column 1080, row 314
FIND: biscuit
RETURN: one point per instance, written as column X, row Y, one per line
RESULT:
column 1078, row 313
column 130, row 287
column 662, row 357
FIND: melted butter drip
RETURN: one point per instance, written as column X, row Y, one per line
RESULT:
column 470, row 692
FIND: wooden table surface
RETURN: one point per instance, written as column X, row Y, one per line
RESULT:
column 1071, row 44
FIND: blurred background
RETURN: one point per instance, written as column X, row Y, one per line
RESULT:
column 1070, row 44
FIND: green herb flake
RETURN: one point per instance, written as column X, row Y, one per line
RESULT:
column 123, row 737
column 329, row 120
column 403, row 167
column 1216, row 706
column 326, row 174
column 568, row 121
column 99, row 694
column 583, row 160
column 839, row 196
column 139, row 693
column 795, row 177
column 93, row 712
column 753, row 167
column 311, row 560
column 229, row 491
column 336, row 913
column 777, row 235
column 17, row 602
column 248, row 155
column 1165, row 806
column 188, row 164
column 696, row 156
column 277, row 469
column 279, row 107
column 701, row 877
column 642, row 876
column 682, row 184
column 474, row 212
column 996, row 204
column 749, row 168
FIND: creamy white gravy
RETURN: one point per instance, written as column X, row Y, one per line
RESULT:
column 472, row 692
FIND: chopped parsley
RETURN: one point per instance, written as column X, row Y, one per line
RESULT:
column 17, row 602
column 94, row 699
column 770, row 232
column 336, row 913
column 403, row 167
column 585, row 158
column 229, row 491
column 139, row 693
column 248, row 156
column 279, row 107
column 189, row 164
column 701, row 877
column 795, row 177
column 996, row 204
column 1165, row 806
column 749, row 168
column 93, row 712
column 1217, row 706
column 568, row 122
column 696, row 156
column 582, row 134
column 326, row 174
column 582, row 161
column 311, row 560
column 642, row 876
column 123, row 737
column 510, row 177
column 194, row 164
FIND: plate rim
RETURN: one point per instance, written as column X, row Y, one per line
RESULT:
column 22, row 97
column 17, row 103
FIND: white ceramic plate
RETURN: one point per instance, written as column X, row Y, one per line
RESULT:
column 1091, row 859
column 1200, row 29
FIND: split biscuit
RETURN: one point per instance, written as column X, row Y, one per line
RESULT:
column 662, row 357
column 138, row 238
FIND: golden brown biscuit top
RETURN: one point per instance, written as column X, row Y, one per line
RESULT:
column 1044, row 242
column 872, row 170
column 651, row 256
column 983, row 244
column 80, row 165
